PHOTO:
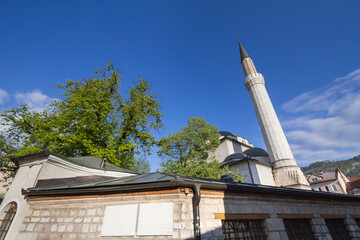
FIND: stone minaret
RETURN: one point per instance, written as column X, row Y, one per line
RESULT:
column 286, row 172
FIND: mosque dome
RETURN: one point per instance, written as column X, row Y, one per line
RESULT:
column 237, row 156
column 227, row 134
column 256, row 152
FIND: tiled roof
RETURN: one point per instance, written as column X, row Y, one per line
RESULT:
column 323, row 177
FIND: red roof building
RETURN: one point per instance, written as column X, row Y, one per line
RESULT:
column 335, row 182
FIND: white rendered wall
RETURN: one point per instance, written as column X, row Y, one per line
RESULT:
column 265, row 173
column 25, row 178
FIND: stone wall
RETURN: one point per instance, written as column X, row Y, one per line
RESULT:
column 82, row 218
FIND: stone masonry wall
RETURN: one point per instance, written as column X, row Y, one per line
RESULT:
column 83, row 218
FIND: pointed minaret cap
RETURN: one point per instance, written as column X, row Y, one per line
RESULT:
column 243, row 53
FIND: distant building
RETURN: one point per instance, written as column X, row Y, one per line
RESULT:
column 335, row 182
column 353, row 186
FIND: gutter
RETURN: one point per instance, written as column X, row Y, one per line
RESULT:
column 197, row 198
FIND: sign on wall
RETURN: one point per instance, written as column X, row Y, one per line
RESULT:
column 150, row 219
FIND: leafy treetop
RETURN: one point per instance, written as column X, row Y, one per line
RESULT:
column 93, row 117
column 190, row 151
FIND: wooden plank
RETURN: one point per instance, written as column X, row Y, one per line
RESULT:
column 232, row 216
column 40, row 198
column 213, row 192
column 294, row 216
column 333, row 215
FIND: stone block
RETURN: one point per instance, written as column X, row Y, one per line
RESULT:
column 22, row 227
column 36, row 213
column 68, row 219
column 64, row 212
column 81, row 212
column 185, row 234
column 30, row 227
column 77, row 228
column 70, row 228
column 91, row 212
column 274, row 224
column 93, row 227
column 45, row 213
column 62, row 228
column 274, row 236
column 95, row 219
column 54, row 228
column 85, row 228
column 73, row 212
column 100, row 211
column 35, row 219
column 87, row 219
column 45, row 219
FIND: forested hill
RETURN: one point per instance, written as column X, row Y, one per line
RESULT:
column 350, row 167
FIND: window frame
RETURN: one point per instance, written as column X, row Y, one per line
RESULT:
column 337, row 228
column 256, row 229
column 9, row 213
column 294, row 229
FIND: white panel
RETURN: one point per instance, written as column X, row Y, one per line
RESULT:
column 119, row 220
column 155, row 219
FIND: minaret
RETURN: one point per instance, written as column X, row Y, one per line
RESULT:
column 286, row 172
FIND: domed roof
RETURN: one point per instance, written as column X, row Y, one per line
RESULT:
column 256, row 152
column 235, row 156
column 227, row 134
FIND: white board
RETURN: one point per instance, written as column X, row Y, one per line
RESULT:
column 155, row 219
column 120, row 220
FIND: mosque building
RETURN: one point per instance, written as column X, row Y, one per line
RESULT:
column 54, row 197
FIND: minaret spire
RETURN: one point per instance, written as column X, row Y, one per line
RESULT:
column 246, row 61
column 285, row 170
column 243, row 53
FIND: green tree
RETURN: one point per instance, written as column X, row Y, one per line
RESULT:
column 190, row 151
column 92, row 117
column 141, row 165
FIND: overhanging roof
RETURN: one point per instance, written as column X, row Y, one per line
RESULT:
column 158, row 181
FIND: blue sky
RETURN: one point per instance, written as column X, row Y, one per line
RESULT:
column 308, row 52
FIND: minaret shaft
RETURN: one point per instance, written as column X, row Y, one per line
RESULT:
column 286, row 171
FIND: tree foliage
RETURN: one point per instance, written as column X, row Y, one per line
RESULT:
column 190, row 151
column 141, row 165
column 92, row 117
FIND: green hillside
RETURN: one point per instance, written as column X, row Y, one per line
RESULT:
column 350, row 167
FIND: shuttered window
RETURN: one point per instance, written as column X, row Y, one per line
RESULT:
column 243, row 230
column 337, row 229
column 299, row 229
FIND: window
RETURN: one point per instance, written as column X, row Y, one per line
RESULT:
column 298, row 229
column 327, row 188
column 319, row 188
column 314, row 179
column 243, row 229
column 334, row 187
column 7, row 217
column 337, row 229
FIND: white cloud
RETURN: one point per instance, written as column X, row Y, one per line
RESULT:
column 35, row 99
column 4, row 96
column 329, row 125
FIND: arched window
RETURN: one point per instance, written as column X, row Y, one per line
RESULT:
column 8, row 215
